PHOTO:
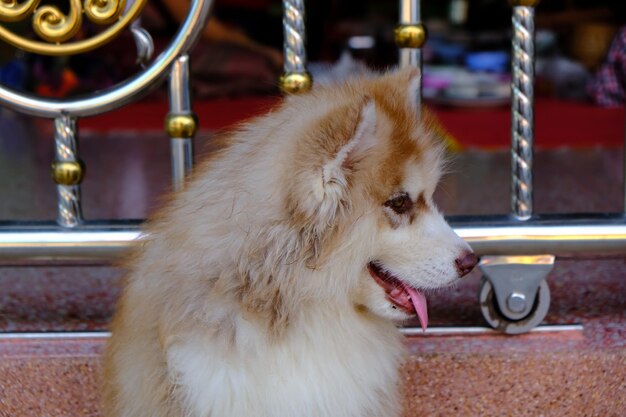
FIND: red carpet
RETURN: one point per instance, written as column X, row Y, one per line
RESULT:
column 558, row 123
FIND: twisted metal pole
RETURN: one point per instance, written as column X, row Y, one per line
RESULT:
column 295, row 79
column 522, row 113
column 67, row 171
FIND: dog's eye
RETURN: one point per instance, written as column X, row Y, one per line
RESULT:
column 400, row 204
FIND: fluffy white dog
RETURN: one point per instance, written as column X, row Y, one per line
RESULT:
column 270, row 285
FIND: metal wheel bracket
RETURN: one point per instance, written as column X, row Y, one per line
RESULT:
column 516, row 281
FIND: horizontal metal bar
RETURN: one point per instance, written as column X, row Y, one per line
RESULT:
column 480, row 331
column 53, row 335
column 555, row 234
column 407, row 331
column 99, row 243
column 47, row 243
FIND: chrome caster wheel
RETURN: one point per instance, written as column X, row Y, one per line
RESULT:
column 496, row 317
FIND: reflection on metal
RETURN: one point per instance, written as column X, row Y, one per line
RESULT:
column 410, row 35
column 104, row 12
column 514, row 296
column 53, row 335
column 407, row 331
column 54, row 27
column 562, row 235
column 293, row 30
column 181, row 150
column 67, row 171
column 181, row 124
column 295, row 79
column 12, row 11
column 47, row 243
column 484, row 331
column 123, row 93
column 100, row 243
column 295, row 83
column 522, row 135
column 143, row 42
column 520, row 260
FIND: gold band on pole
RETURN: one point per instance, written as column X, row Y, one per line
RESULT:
column 410, row 35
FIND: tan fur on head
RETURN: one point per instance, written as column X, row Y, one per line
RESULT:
column 252, row 296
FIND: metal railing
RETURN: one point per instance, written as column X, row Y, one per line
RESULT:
column 97, row 243
column 72, row 240
column 180, row 123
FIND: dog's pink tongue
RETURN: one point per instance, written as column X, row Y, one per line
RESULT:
column 419, row 302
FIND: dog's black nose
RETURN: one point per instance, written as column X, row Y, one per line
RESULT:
column 466, row 263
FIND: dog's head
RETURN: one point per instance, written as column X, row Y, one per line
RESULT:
column 362, row 195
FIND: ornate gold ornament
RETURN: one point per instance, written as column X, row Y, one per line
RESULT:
column 54, row 27
column 295, row 82
column 181, row 125
column 12, row 11
column 104, row 12
column 68, row 172
column 410, row 35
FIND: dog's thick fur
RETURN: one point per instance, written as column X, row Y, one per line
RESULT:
column 253, row 294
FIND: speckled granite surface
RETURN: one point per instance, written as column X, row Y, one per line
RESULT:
column 492, row 376
column 517, row 384
column 59, row 378
column 57, row 299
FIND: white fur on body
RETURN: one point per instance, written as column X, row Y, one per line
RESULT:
column 251, row 296
column 312, row 372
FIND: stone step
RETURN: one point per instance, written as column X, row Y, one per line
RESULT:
column 538, row 374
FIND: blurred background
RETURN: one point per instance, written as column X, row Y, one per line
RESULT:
column 466, row 56
column 236, row 65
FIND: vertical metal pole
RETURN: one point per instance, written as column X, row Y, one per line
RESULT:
column 410, row 36
column 522, row 114
column 295, row 79
column 180, row 123
column 410, row 14
column 67, row 171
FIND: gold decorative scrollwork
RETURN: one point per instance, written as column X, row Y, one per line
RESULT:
column 54, row 27
column 104, row 12
column 12, row 11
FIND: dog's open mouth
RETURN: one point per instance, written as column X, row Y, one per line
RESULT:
column 401, row 294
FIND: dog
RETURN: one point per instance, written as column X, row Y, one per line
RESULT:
column 271, row 285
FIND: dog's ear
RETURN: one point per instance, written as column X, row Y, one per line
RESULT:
column 359, row 144
column 411, row 79
column 331, row 181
